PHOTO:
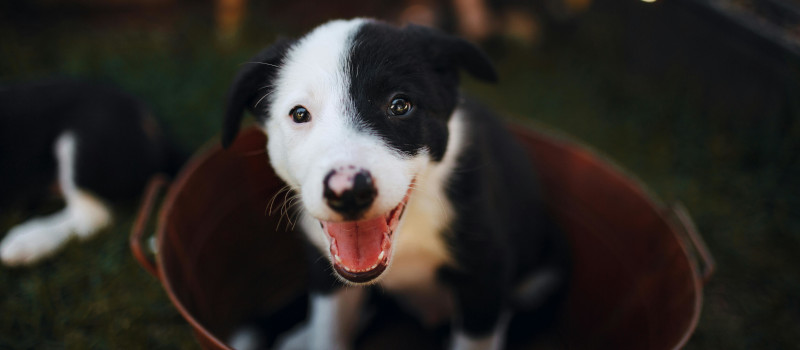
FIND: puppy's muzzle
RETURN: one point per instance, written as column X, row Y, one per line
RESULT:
column 349, row 191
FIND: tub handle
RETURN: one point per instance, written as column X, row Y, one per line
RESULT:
column 706, row 263
column 154, row 187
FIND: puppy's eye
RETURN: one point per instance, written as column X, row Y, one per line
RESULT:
column 399, row 106
column 300, row 114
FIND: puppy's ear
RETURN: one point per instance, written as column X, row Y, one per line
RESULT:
column 453, row 52
column 253, row 82
column 469, row 57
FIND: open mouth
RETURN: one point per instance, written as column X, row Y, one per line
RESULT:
column 361, row 249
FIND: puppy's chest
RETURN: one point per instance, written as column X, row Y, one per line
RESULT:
column 420, row 251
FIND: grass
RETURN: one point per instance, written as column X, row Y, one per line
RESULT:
column 729, row 153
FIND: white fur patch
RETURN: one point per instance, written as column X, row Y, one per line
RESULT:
column 83, row 215
column 311, row 76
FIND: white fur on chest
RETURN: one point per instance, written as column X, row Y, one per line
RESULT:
column 421, row 242
column 420, row 245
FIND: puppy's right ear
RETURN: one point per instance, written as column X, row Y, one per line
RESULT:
column 253, row 82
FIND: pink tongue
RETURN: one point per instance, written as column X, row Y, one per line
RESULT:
column 358, row 243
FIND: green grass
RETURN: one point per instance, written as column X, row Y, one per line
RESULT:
column 735, row 165
column 91, row 296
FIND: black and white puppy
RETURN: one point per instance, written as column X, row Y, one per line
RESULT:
column 403, row 183
column 92, row 141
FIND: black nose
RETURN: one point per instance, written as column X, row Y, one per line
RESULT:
column 349, row 192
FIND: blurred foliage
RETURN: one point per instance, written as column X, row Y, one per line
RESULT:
column 696, row 114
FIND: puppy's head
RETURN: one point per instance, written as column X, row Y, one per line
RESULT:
column 354, row 111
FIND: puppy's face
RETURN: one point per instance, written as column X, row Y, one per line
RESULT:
column 354, row 111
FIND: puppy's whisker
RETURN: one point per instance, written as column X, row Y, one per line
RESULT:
column 278, row 225
column 284, row 209
column 262, row 63
column 272, row 201
column 283, row 212
column 262, row 98
column 265, row 86
column 285, row 197
column 294, row 218
column 287, row 206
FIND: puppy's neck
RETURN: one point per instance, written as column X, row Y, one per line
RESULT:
column 421, row 246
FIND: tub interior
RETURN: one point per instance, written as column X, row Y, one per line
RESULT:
column 225, row 259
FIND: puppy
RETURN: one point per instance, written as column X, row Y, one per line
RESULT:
column 404, row 184
column 91, row 142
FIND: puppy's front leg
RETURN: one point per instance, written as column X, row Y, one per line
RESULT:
column 482, row 313
column 331, row 324
column 494, row 340
column 334, row 310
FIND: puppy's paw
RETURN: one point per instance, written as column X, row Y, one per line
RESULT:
column 29, row 243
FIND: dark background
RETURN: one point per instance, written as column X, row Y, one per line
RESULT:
column 698, row 100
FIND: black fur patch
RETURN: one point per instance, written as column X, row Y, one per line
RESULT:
column 419, row 64
column 250, row 87
column 500, row 232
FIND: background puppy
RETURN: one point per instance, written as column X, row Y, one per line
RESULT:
column 94, row 142
column 403, row 183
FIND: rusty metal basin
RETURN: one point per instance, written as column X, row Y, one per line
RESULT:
column 639, row 267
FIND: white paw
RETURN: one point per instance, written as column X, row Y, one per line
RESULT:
column 28, row 243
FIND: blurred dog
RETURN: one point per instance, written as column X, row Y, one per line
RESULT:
column 93, row 141
column 404, row 183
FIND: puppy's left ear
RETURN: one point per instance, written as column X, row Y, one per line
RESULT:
column 472, row 59
column 253, row 82
column 453, row 52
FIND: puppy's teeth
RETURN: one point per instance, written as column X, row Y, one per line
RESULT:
column 380, row 257
column 334, row 247
column 338, row 258
column 386, row 242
